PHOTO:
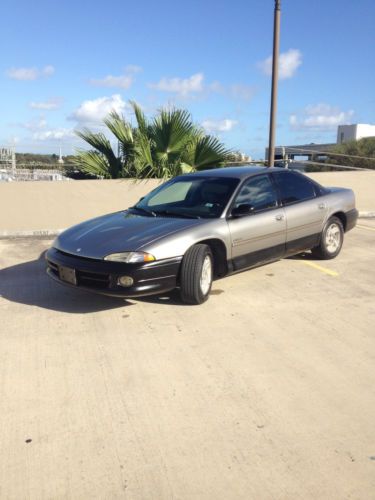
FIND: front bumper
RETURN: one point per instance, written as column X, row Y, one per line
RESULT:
column 101, row 276
column 351, row 219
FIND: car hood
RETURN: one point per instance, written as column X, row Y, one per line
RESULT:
column 117, row 232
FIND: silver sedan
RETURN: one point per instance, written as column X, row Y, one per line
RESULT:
column 203, row 226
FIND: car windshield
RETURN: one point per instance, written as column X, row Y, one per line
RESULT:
column 189, row 196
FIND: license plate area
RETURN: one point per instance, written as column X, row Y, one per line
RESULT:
column 68, row 275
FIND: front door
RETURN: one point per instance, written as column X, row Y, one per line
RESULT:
column 258, row 236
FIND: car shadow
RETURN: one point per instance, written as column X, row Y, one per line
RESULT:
column 27, row 283
column 303, row 256
column 171, row 298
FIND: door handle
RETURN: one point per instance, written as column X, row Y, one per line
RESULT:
column 321, row 206
column 279, row 217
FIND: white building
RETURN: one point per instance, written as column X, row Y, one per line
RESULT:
column 354, row 132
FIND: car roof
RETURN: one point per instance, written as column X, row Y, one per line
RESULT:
column 235, row 172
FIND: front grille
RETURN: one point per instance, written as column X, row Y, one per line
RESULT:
column 95, row 280
column 53, row 267
column 84, row 278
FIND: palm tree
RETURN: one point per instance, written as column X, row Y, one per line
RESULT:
column 168, row 145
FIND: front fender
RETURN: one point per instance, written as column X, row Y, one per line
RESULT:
column 178, row 243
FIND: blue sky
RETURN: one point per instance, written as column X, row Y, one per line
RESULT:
column 64, row 65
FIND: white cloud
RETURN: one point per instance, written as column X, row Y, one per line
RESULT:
column 35, row 125
column 234, row 90
column 122, row 81
column 181, row 86
column 320, row 117
column 219, row 125
column 93, row 111
column 133, row 69
column 216, row 87
column 29, row 73
column 48, row 70
column 46, row 105
column 11, row 141
column 54, row 134
column 240, row 91
column 196, row 85
column 288, row 63
column 22, row 73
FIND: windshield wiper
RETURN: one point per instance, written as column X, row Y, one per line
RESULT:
column 150, row 213
column 176, row 214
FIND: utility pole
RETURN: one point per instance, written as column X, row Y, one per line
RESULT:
column 275, row 74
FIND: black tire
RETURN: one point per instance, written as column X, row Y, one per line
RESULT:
column 331, row 240
column 191, row 274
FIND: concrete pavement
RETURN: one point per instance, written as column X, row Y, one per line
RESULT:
column 267, row 391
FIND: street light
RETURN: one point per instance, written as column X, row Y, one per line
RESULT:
column 275, row 72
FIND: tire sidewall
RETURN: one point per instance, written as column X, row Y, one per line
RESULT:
column 191, row 273
column 323, row 243
column 207, row 253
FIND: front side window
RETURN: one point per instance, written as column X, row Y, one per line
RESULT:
column 294, row 187
column 258, row 192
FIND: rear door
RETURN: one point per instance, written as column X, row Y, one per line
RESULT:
column 260, row 235
column 305, row 210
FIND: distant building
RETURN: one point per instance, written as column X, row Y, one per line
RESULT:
column 239, row 158
column 245, row 158
column 354, row 132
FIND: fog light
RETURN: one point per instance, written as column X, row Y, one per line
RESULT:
column 125, row 281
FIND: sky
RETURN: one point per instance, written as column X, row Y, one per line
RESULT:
column 65, row 65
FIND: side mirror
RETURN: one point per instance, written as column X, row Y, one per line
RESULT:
column 242, row 210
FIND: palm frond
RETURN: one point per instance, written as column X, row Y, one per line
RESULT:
column 93, row 163
column 143, row 151
column 120, row 128
column 142, row 123
column 171, row 130
column 101, row 143
column 205, row 152
column 97, row 140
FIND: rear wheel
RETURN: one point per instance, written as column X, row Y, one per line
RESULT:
column 196, row 274
column 331, row 240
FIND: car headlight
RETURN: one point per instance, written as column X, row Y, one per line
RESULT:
column 130, row 257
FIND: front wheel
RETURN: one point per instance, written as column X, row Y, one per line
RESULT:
column 331, row 240
column 196, row 274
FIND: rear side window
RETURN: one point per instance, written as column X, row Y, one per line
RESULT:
column 294, row 187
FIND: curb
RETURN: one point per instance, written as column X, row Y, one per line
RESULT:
column 52, row 233
column 366, row 215
column 37, row 233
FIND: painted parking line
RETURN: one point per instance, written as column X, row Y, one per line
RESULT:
column 320, row 268
column 366, row 227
